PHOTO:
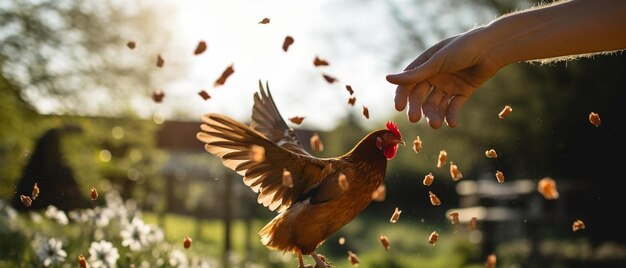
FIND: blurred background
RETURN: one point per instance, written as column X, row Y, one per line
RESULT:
column 78, row 111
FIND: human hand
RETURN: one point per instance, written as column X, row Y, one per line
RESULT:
column 440, row 80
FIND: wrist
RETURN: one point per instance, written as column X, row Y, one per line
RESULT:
column 489, row 44
column 498, row 44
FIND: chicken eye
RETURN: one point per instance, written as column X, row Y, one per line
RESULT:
column 379, row 143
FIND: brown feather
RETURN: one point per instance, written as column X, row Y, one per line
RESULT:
column 267, row 120
column 231, row 141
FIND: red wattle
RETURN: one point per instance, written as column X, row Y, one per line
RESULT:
column 390, row 152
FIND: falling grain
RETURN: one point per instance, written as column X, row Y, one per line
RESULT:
column 160, row 61
column 257, row 153
column 385, row 242
column 366, row 112
column 505, row 112
column 200, row 48
column 594, row 118
column 395, row 216
column 225, row 74
column 472, row 223
column 349, row 89
column 296, row 119
column 441, row 160
column 319, row 62
column 287, row 43
column 93, row 193
column 417, row 144
column 380, row 193
column 204, row 95
column 187, row 242
column 316, row 143
column 352, row 101
column 491, row 261
column 35, row 192
column 432, row 239
column 578, row 225
column 499, row 176
column 547, row 188
column 454, row 218
column 353, row 258
column 343, row 182
column 157, row 96
column 454, row 172
column 26, row 200
column 329, row 78
column 434, row 200
column 428, row 179
column 287, row 178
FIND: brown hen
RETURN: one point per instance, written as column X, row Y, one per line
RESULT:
column 314, row 206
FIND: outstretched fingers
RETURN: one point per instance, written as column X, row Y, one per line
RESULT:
column 412, row 76
column 456, row 103
column 431, row 107
column 402, row 95
column 416, row 99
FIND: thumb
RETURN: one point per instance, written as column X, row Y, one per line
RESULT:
column 412, row 76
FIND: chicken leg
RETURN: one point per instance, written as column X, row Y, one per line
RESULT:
column 300, row 261
column 319, row 263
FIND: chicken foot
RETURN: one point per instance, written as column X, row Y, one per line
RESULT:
column 319, row 263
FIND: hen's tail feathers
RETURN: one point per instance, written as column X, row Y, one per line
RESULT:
column 276, row 234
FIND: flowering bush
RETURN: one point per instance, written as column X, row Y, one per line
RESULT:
column 113, row 235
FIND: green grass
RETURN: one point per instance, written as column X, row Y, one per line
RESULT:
column 409, row 242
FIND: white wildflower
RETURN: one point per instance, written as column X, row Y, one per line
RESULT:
column 101, row 216
column 59, row 216
column 79, row 216
column 131, row 210
column 201, row 263
column 51, row 211
column 8, row 216
column 178, row 259
column 145, row 264
column 135, row 234
column 35, row 217
column 155, row 235
column 115, row 204
column 103, row 254
column 51, row 252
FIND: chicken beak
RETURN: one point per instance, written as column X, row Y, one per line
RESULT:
column 399, row 141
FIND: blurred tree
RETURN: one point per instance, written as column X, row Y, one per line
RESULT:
column 71, row 58
column 60, row 53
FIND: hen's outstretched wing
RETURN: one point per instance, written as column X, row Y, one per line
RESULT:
column 267, row 120
column 232, row 142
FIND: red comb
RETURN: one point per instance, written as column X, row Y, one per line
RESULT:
column 393, row 127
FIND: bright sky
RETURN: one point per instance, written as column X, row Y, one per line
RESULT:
column 358, row 39
column 354, row 38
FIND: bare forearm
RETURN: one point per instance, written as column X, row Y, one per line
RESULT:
column 568, row 28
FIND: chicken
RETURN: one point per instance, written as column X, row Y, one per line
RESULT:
column 315, row 206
